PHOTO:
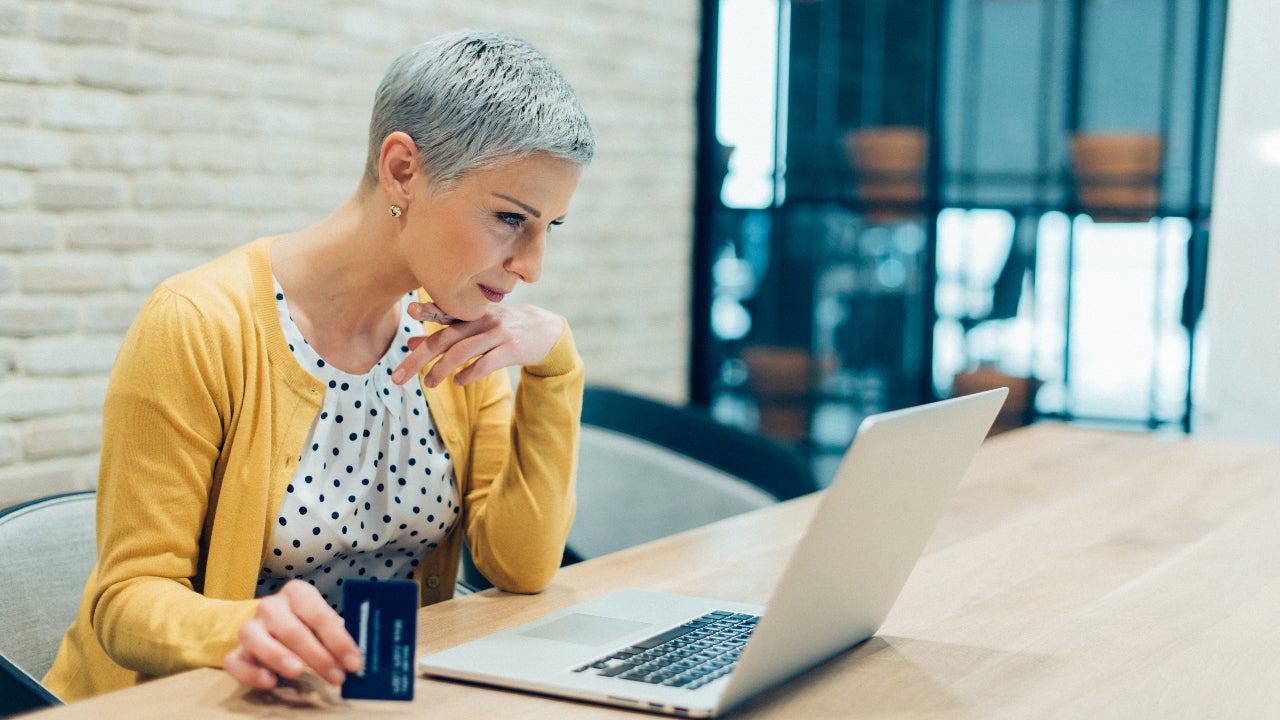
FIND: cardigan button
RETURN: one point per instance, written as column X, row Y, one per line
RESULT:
column 433, row 581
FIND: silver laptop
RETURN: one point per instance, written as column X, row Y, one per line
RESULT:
column 699, row 657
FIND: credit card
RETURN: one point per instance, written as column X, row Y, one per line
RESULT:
column 382, row 617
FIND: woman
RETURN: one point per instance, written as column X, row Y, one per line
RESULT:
column 324, row 405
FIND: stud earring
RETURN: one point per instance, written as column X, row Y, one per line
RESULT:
column 395, row 210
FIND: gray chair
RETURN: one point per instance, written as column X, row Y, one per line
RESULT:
column 47, row 550
column 631, row 491
column 50, row 542
column 648, row 469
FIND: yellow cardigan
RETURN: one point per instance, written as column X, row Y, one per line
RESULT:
column 205, row 415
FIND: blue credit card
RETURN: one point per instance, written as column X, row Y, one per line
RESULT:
column 382, row 617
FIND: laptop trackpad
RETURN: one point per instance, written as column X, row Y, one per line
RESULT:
column 584, row 629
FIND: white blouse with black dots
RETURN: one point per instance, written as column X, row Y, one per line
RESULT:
column 374, row 489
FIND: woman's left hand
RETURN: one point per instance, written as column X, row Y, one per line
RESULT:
column 507, row 335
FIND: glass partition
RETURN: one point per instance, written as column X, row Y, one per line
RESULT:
column 918, row 198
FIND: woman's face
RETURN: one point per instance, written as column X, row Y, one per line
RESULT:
column 469, row 244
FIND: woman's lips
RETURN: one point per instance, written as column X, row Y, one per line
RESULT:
column 492, row 294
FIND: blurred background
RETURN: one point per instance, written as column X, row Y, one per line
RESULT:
column 901, row 201
column 801, row 213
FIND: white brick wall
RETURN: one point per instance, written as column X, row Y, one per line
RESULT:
column 141, row 137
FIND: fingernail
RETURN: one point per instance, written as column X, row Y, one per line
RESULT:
column 397, row 377
column 336, row 676
column 292, row 666
column 353, row 661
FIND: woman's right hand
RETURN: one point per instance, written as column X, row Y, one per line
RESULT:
column 291, row 631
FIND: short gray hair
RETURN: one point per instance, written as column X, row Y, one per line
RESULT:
column 471, row 99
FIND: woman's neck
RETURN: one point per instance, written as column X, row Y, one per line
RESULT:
column 343, row 283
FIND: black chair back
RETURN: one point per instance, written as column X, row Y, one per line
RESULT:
column 773, row 467
column 20, row 693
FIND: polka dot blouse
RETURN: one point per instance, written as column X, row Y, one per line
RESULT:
column 374, row 490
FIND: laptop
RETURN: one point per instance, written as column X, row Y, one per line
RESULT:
column 700, row 657
column 19, row 692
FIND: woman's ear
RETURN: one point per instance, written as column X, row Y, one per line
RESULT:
column 397, row 164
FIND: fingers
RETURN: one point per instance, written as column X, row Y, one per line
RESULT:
column 291, row 631
column 505, row 336
column 500, row 356
column 485, row 346
column 430, row 312
column 240, row 665
column 314, row 632
column 422, row 350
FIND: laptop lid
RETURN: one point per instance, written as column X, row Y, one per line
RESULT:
column 864, row 540
column 843, row 577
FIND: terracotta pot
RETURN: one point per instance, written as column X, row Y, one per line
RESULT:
column 789, row 423
column 1019, row 406
column 1117, row 175
column 888, row 166
column 777, row 371
column 779, row 378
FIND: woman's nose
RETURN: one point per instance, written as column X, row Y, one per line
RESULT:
column 526, row 257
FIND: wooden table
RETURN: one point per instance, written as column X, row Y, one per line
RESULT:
column 1078, row 573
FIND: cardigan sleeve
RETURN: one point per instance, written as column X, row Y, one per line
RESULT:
column 165, row 419
column 520, row 498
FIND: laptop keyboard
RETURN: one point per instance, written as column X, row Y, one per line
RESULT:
column 688, row 656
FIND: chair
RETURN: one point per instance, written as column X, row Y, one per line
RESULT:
column 47, row 549
column 647, row 469
column 20, row 693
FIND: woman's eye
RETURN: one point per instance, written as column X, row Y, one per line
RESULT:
column 512, row 219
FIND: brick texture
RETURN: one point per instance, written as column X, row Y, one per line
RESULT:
column 141, row 137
